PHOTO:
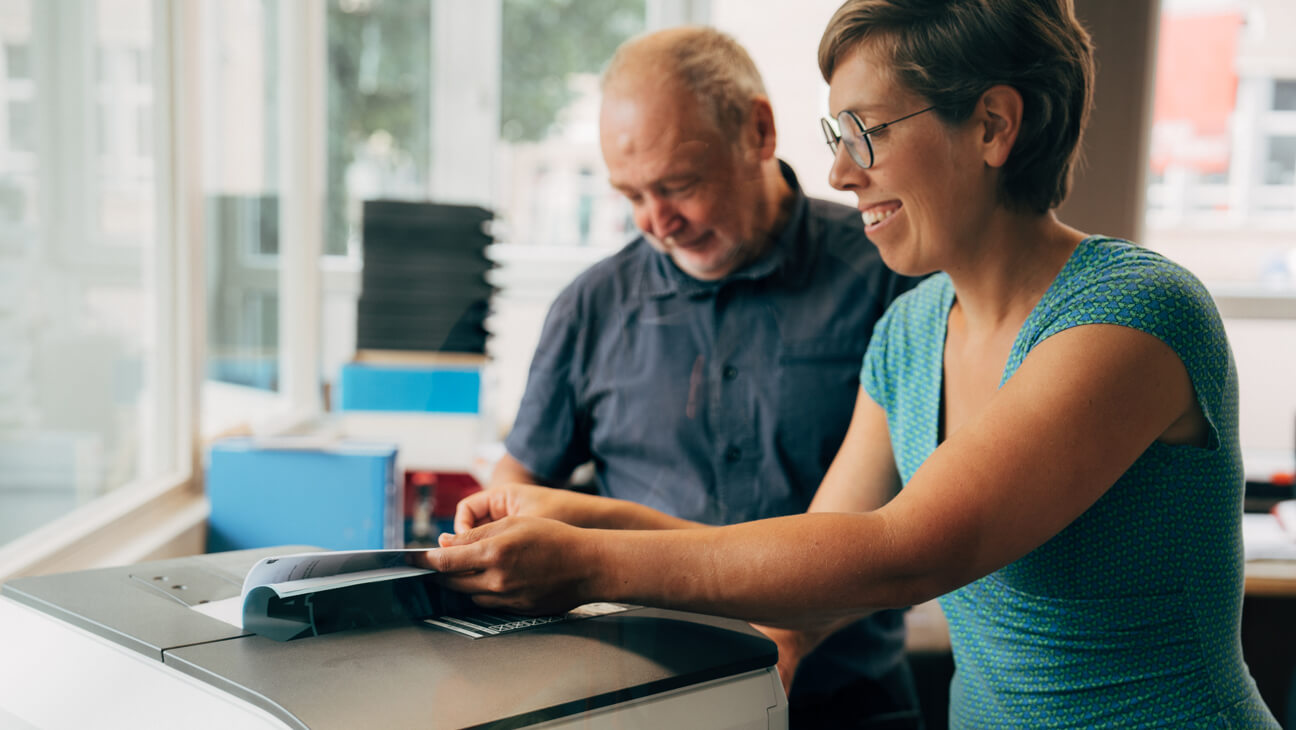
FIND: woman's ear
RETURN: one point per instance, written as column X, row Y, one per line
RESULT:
column 999, row 116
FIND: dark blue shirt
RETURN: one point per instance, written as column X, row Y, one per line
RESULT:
column 718, row 402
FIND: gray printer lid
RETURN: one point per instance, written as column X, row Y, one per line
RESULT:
column 144, row 607
column 403, row 676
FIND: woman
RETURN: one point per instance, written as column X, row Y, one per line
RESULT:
column 1060, row 410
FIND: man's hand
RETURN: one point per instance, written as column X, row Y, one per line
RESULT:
column 515, row 500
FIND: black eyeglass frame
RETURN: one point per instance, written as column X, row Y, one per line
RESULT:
column 846, row 116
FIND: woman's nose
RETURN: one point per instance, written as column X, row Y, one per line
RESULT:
column 844, row 173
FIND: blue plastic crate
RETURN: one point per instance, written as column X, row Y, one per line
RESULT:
column 368, row 387
column 340, row 497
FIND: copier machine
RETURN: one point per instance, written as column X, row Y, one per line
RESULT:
column 123, row 648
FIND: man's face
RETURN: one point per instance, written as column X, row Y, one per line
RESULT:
column 697, row 193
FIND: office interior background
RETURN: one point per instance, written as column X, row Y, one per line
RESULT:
column 181, row 187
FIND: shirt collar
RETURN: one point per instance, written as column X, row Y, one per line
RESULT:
column 665, row 278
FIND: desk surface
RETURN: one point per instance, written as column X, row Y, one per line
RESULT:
column 1276, row 578
column 1271, row 557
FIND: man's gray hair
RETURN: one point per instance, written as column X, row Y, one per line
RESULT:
column 706, row 62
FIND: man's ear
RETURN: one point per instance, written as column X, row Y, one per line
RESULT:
column 998, row 116
column 761, row 128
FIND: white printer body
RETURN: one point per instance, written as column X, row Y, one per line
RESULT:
column 123, row 648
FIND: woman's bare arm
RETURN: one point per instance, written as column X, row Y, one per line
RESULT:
column 1081, row 409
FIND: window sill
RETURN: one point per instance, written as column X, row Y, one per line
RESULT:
column 152, row 520
column 1237, row 301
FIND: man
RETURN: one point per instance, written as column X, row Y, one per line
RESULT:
column 709, row 369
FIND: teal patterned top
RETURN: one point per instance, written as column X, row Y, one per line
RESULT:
column 1130, row 616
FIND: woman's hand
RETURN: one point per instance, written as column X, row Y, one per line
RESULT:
column 793, row 646
column 525, row 565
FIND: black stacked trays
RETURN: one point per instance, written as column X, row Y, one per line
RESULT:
column 424, row 282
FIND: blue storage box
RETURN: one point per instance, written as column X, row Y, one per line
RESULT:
column 434, row 389
column 342, row 496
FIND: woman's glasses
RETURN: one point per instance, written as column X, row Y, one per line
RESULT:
column 857, row 138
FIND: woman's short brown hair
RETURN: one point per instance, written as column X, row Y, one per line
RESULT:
column 951, row 52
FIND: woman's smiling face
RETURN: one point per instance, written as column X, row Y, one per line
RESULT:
column 928, row 185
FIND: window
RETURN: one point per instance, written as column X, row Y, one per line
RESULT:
column 1222, row 187
column 380, row 65
column 1280, row 161
column 1284, row 96
column 84, row 401
column 554, row 187
column 161, row 158
column 1222, row 198
column 452, row 102
column 484, row 104
column 17, row 128
column 21, row 133
column 240, row 113
column 123, row 93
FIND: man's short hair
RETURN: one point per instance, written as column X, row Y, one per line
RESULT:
column 951, row 52
column 710, row 64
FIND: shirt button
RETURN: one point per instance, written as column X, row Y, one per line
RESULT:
column 733, row 453
column 730, row 372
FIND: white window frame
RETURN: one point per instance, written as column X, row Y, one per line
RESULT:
column 301, row 58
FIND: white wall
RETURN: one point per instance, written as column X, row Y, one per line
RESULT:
column 783, row 39
column 1265, row 350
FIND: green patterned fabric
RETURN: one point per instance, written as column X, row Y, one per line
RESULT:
column 1130, row 616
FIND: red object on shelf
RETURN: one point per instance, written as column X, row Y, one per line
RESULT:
column 445, row 488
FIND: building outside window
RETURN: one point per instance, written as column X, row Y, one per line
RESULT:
column 1221, row 197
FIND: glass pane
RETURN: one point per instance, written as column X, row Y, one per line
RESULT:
column 380, row 69
column 1284, row 98
column 1280, row 162
column 22, row 136
column 17, row 60
column 74, row 322
column 1222, row 184
column 555, row 190
column 241, row 192
column 379, row 87
column 124, row 90
column 17, row 129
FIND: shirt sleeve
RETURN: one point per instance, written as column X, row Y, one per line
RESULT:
column 873, row 375
column 901, row 330
column 1160, row 298
column 550, row 436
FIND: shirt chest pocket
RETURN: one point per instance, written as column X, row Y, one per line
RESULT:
column 817, row 383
